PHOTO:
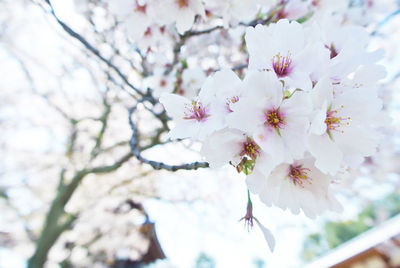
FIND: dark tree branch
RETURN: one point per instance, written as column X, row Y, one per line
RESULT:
column 94, row 50
column 57, row 220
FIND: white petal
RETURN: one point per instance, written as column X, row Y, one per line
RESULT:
column 357, row 140
column 222, row 147
column 318, row 125
column 184, row 129
column 256, row 182
column 184, row 20
column 300, row 104
column 213, row 123
column 260, row 57
column 327, row 154
column 174, row 104
column 227, row 84
column 245, row 116
column 294, row 136
column 322, row 92
column 270, row 142
column 265, row 163
column 268, row 236
column 263, row 84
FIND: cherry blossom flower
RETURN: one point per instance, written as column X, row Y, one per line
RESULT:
column 160, row 82
column 343, row 125
column 294, row 9
column 347, row 47
column 237, row 148
column 134, row 16
column 279, row 126
column 192, row 80
column 282, row 48
column 182, row 12
column 238, row 10
column 195, row 118
column 296, row 186
column 228, row 87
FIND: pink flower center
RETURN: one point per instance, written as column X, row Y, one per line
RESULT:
column 281, row 64
column 333, row 51
column 274, row 118
column 140, row 8
column 334, row 122
column 250, row 148
column 196, row 111
column 163, row 83
column 315, row 2
column 298, row 174
column 148, row 32
column 230, row 101
column 182, row 3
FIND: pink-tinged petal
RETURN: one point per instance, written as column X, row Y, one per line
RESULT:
column 270, row 142
column 268, row 236
column 174, row 104
column 326, row 152
column 222, row 147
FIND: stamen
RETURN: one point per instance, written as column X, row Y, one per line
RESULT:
column 275, row 119
column 250, row 149
column 299, row 175
column 148, row 32
column 315, row 2
column 333, row 51
column 182, row 3
column 230, row 101
column 334, row 122
column 140, row 8
column 196, row 111
column 281, row 64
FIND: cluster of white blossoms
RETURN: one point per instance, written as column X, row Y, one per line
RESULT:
column 144, row 18
column 306, row 111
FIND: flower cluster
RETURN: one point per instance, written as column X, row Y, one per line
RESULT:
column 144, row 18
column 306, row 111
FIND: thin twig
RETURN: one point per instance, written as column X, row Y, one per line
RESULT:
column 157, row 165
column 94, row 50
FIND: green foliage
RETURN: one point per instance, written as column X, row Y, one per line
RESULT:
column 337, row 233
column 204, row 261
column 259, row 263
